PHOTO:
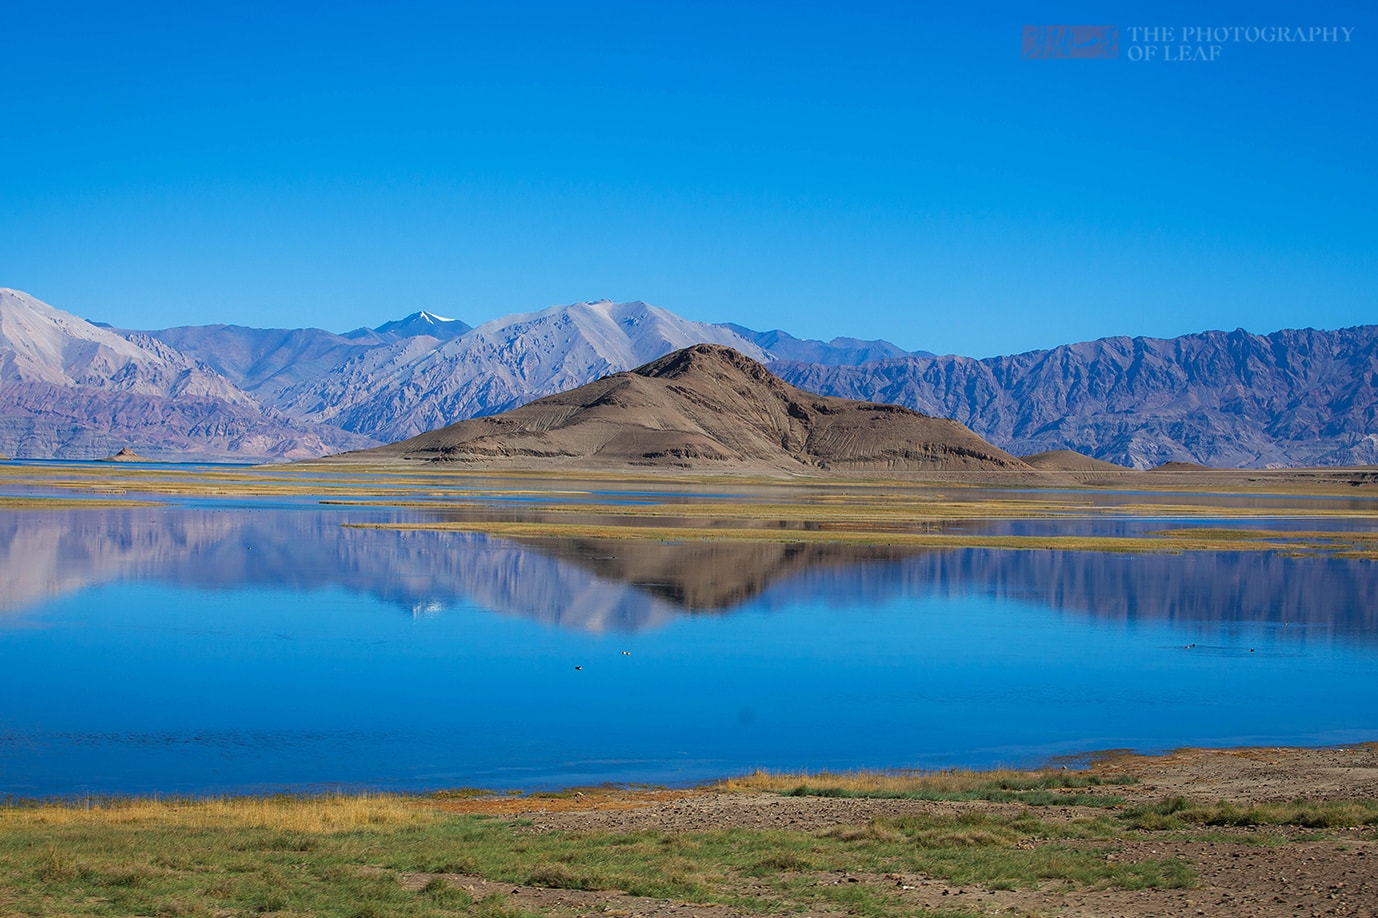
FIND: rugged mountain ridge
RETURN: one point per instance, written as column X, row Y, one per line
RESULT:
column 837, row 352
column 400, row 391
column 706, row 407
column 1229, row 399
column 71, row 389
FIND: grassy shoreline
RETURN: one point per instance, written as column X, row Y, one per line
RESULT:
column 1128, row 835
column 866, row 843
column 756, row 509
column 1345, row 545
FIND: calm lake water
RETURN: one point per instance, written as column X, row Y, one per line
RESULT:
column 247, row 647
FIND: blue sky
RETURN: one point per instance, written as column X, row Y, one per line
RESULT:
column 874, row 169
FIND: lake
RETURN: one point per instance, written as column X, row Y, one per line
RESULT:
column 203, row 646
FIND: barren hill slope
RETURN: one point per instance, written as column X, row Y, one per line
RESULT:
column 706, row 407
column 1066, row 460
column 72, row 390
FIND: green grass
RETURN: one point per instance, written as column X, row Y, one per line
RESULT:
column 345, row 856
column 1028, row 798
column 1179, row 812
column 1031, row 789
column 710, row 866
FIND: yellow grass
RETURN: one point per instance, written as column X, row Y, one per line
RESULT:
column 66, row 503
column 807, row 508
column 397, row 481
column 892, row 512
column 326, row 814
column 1169, row 541
column 845, row 507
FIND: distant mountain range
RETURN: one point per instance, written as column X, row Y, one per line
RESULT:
column 73, row 389
column 705, row 407
column 1227, row 399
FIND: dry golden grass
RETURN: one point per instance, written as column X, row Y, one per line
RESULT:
column 860, row 512
column 1032, row 788
column 1341, row 544
column 374, row 480
column 315, row 815
column 66, row 503
column 1344, row 544
column 808, row 508
column 859, row 508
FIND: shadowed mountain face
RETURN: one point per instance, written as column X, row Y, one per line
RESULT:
column 702, row 408
column 414, row 325
column 781, row 345
column 407, row 377
column 1232, row 400
column 73, row 390
column 70, row 389
column 400, row 390
column 620, row 585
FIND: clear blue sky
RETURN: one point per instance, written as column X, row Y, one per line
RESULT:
column 875, row 169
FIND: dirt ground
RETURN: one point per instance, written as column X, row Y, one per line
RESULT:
column 1314, row 873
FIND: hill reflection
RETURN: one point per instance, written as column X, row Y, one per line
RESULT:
column 599, row 585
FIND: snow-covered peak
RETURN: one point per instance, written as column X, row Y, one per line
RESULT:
column 42, row 344
column 422, row 323
column 622, row 334
column 49, row 344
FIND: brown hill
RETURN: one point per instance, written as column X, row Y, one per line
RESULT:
column 1066, row 460
column 1181, row 467
column 125, row 455
column 706, row 407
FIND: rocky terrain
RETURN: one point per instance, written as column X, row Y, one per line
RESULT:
column 1066, row 460
column 704, row 408
column 73, row 389
column 1228, row 399
column 227, row 391
column 407, row 377
column 1240, row 870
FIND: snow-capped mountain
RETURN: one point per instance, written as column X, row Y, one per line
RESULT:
column 395, row 391
column 416, row 325
column 333, row 391
column 43, row 345
column 71, row 389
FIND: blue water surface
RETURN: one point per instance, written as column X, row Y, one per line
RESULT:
column 179, row 650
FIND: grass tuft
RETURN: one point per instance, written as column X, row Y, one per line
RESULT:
column 1032, row 788
column 1178, row 812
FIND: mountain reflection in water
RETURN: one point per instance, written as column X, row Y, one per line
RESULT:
column 626, row 585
